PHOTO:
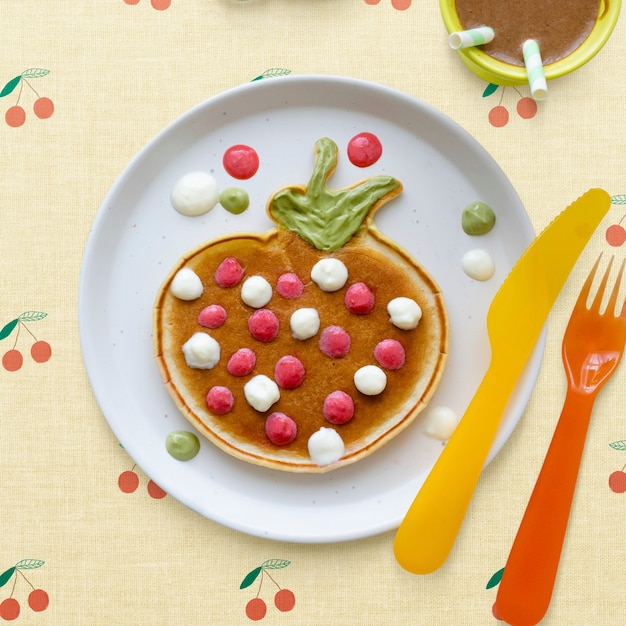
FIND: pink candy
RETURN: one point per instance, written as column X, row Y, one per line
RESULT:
column 220, row 400
column 263, row 325
column 212, row 316
column 289, row 286
column 289, row 372
column 390, row 354
column 242, row 362
column 229, row 272
column 338, row 407
column 334, row 342
column 359, row 299
column 280, row 429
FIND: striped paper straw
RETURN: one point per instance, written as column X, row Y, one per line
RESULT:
column 469, row 38
column 534, row 70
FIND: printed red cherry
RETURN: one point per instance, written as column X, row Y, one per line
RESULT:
column 128, row 481
column 154, row 491
column 256, row 609
column 43, row 108
column 617, row 481
column 615, row 235
column 495, row 612
column 41, row 351
column 38, row 600
column 12, row 360
column 498, row 116
column 527, row 108
column 285, row 600
column 9, row 609
column 15, row 116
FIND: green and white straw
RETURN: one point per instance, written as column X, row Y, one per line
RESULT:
column 534, row 70
column 470, row 38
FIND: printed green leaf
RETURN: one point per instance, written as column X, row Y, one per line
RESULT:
column 35, row 72
column 6, row 576
column 32, row 316
column 275, row 564
column 10, row 86
column 491, row 88
column 619, row 445
column 251, row 577
column 29, row 564
column 272, row 73
column 8, row 328
column 495, row 579
column 619, row 199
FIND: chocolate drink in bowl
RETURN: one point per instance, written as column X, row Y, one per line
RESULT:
column 559, row 27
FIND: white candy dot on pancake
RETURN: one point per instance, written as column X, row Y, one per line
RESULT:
column 325, row 446
column 370, row 380
column 329, row 274
column 201, row 351
column 256, row 292
column 404, row 313
column 186, row 285
column 304, row 323
column 261, row 392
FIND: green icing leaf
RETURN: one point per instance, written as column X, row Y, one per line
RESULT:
column 8, row 328
column 495, row 579
column 29, row 564
column 6, row 576
column 491, row 88
column 10, row 86
column 619, row 445
column 327, row 218
column 275, row 564
column 251, row 577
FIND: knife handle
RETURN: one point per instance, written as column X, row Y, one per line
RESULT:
column 429, row 529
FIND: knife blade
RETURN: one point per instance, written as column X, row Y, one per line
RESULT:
column 515, row 319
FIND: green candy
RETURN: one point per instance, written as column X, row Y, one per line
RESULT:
column 478, row 218
column 182, row 445
column 235, row 200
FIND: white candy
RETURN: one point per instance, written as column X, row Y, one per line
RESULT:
column 201, row 351
column 370, row 380
column 440, row 422
column 325, row 446
column 186, row 285
column 478, row 264
column 304, row 323
column 404, row 313
column 195, row 193
column 329, row 274
column 261, row 392
column 256, row 292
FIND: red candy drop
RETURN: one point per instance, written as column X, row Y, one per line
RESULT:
column 242, row 362
column 241, row 161
column 359, row 299
column 212, row 316
column 263, row 325
column 335, row 342
column 289, row 372
column 280, row 429
column 364, row 149
column 220, row 400
column 390, row 354
column 338, row 407
column 289, row 286
column 229, row 272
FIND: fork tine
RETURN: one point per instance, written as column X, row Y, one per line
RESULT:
column 586, row 288
column 610, row 307
column 595, row 305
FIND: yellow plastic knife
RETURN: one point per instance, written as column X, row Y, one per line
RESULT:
column 514, row 322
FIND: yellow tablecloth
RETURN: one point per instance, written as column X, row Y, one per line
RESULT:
column 109, row 75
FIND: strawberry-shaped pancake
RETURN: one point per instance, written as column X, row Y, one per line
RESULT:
column 306, row 347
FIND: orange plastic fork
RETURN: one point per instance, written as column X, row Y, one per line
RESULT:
column 592, row 348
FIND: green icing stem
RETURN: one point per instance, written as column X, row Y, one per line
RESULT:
column 328, row 218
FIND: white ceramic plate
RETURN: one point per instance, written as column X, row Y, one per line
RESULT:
column 137, row 237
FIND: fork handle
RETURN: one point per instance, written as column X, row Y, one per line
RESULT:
column 528, row 580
